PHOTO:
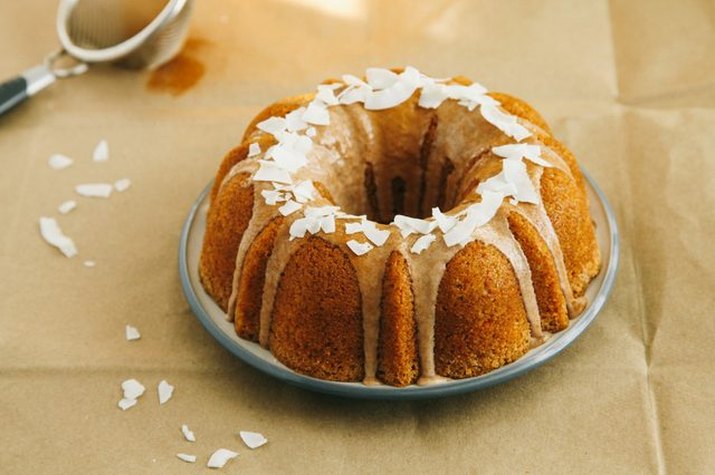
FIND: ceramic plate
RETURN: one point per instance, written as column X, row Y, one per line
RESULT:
column 214, row 320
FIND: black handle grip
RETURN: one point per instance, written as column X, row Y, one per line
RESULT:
column 12, row 92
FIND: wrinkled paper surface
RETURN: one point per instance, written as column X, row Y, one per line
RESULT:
column 628, row 86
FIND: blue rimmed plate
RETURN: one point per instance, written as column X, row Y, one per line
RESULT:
column 214, row 320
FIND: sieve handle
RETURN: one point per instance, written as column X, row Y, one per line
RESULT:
column 14, row 91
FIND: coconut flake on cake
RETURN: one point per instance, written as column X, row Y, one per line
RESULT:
column 294, row 120
column 273, row 197
column 444, row 221
column 326, row 94
column 396, row 93
column 369, row 229
column 269, row 171
column 517, row 151
column 409, row 225
column 507, row 123
column 476, row 215
column 422, row 243
column 316, row 113
column 253, row 150
column 53, row 235
column 289, row 208
column 359, row 248
column 272, row 125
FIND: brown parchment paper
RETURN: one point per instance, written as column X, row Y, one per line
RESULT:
column 629, row 86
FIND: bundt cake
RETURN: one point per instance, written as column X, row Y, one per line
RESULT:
column 398, row 229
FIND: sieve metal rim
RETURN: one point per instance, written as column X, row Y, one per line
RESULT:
column 118, row 51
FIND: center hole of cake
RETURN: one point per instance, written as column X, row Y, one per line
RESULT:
column 410, row 188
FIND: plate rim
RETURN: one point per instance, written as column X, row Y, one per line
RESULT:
column 353, row 390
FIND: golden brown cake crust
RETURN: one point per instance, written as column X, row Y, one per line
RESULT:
column 549, row 296
column 253, row 275
column 398, row 362
column 226, row 222
column 316, row 324
column 567, row 209
column 480, row 322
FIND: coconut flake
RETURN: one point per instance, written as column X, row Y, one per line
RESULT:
column 51, row 232
column 253, row 150
column 515, row 172
column 219, row 458
column 126, row 403
column 58, row 161
column 370, row 230
column 273, row 196
column 253, row 439
column 67, row 206
column 316, row 113
column 131, row 333
column 381, row 78
column 188, row 433
column 132, row 389
column 89, row 263
column 122, row 184
column 352, row 228
column 273, row 125
column 422, row 243
column 303, row 191
column 320, row 211
column 359, row 248
column 518, row 151
column 327, row 224
column 187, row 457
column 311, row 132
column 269, row 171
column 94, row 190
column 101, row 152
column 408, row 225
column 432, row 96
column 375, row 235
column 289, row 208
column 351, row 80
column 290, row 152
column 326, row 94
column 353, row 94
column 294, row 121
column 477, row 215
column 444, row 222
column 505, row 122
column 165, row 391
column 298, row 228
column 392, row 96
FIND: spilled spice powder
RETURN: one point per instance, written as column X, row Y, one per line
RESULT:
column 181, row 73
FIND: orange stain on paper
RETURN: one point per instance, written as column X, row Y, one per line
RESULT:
column 181, row 73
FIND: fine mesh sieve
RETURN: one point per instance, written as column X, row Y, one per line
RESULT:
column 129, row 33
